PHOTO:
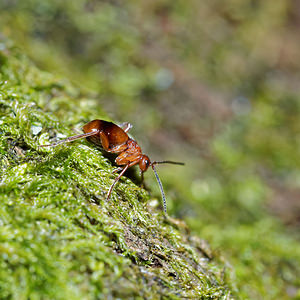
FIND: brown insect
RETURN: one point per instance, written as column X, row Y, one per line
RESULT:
column 114, row 139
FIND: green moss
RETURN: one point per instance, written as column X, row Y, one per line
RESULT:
column 158, row 59
column 59, row 238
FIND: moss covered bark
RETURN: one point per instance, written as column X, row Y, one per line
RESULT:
column 59, row 238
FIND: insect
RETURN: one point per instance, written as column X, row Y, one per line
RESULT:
column 114, row 139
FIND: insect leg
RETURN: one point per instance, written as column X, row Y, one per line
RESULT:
column 142, row 180
column 72, row 138
column 126, row 126
column 117, row 170
column 116, row 180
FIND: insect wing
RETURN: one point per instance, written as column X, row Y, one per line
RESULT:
column 111, row 134
column 116, row 136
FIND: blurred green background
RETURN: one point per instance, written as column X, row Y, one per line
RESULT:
column 214, row 84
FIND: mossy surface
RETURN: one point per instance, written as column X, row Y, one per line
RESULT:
column 212, row 83
column 59, row 238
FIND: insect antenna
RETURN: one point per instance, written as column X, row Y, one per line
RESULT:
column 158, row 179
column 168, row 162
column 161, row 189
